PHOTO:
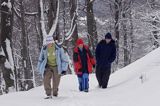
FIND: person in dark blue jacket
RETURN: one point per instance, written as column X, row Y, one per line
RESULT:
column 105, row 55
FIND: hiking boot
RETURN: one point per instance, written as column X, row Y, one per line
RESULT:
column 55, row 95
column 86, row 90
column 104, row 87
column 48, row 97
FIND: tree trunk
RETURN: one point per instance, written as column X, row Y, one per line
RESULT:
column 156, row 31
column 131, row 34
column 125, row 36
column 2, row 70
column 27, row 84
column 52, row 16
column 91, row 24
column 127, row 31
column 39, row 35
column 0, row 24
column 73, row 5
column 5, row 43
column 117, row 6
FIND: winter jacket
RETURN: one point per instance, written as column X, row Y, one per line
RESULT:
column 83, row 57
column 105, row 54
column 77, row 58
column 61, row 59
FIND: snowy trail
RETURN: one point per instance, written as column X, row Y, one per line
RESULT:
column 125, row 89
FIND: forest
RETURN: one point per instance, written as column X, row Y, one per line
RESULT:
column 24, row 24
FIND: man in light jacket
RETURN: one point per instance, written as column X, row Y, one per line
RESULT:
column 52, row 63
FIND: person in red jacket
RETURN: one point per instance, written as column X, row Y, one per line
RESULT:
column 83, row 64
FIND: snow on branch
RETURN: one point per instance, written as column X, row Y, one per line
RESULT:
column 31, row 13
column 2, row 52
column 9, row 51
column 26, row 13
column 44, row 33
column 7, row 64
column 16, row 12
column 8, row 4
column 69, row 33
column 54, row 25
column 91, row 1
column 73, row 25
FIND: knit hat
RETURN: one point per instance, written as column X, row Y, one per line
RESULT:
column 79, row 41
column 49, row 39
column 108, row 36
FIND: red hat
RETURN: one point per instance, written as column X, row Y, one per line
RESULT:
column 79, row 41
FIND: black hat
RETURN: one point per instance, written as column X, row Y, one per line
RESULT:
column 108, row 36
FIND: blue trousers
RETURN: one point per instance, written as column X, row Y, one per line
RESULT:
column 83, row 82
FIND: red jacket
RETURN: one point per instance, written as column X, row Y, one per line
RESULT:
column 77, row 61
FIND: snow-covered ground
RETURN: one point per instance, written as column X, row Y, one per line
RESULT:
column 135, row 85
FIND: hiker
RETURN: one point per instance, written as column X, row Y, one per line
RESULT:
column 105, row 55
column 83, row 63
column 52, row 63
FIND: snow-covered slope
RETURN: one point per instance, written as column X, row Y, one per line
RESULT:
column 125, row 88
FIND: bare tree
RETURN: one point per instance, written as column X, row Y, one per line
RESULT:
column 28, row 84
column 155, row 22
column 38, row 28
column 117, row 6
column 91, row 24
column 131, row 34
column 126, row 9
column 73, row 13
column 5, row 43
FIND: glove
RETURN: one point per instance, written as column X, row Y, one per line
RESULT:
column 46, row 66
column 94, row 66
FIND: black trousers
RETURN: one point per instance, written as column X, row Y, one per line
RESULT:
column 103, row 76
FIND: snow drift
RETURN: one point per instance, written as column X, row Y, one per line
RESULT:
column 135, row 85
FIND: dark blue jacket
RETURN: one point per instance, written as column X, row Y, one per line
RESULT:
column 105, row 54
